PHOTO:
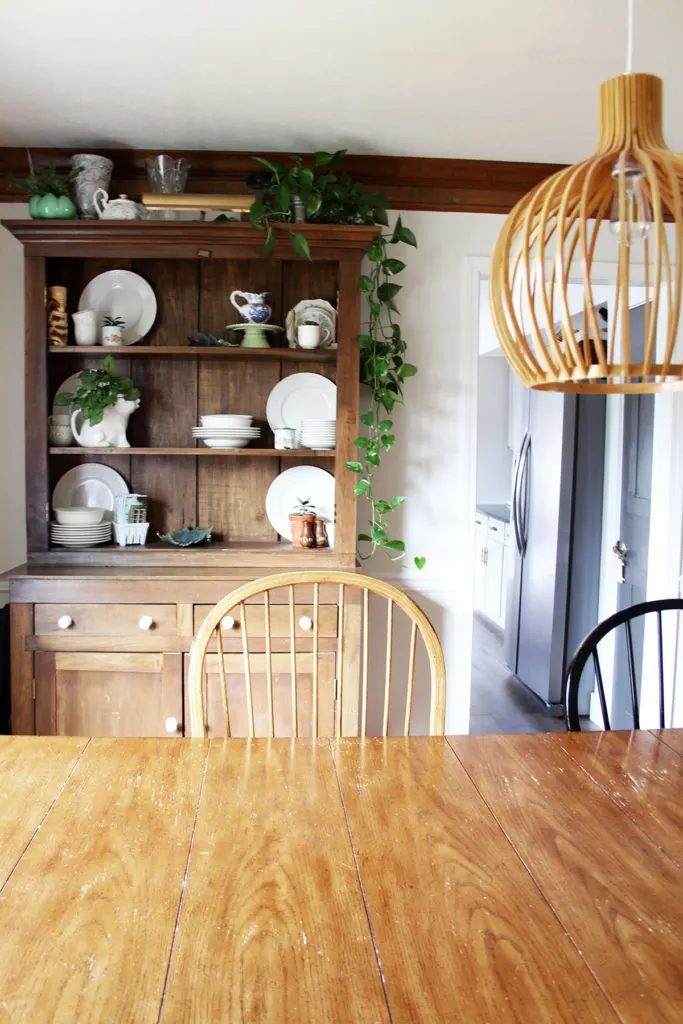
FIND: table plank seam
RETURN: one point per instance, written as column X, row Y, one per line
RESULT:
column 616, row 803
column 537, row 884
column 362, row 889
column 184, row 883
column 664, row 742
column 44, row 818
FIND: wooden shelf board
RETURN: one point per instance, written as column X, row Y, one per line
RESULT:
column 322, row 355
column 268, row 453
column 256, row 555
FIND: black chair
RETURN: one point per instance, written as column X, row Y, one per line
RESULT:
column 589, row 650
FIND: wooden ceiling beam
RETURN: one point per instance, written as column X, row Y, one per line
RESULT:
column 410, row 183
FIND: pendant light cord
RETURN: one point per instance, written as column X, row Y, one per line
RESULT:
column 629, row 40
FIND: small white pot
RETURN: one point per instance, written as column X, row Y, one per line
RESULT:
column 112, row 336
column 85, row 327
column 309, row 335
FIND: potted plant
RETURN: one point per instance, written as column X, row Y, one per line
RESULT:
column 48, row 192
column 302, row 521
column 112, row 330
column 105, row 402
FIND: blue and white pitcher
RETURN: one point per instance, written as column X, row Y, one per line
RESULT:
column 254, row 309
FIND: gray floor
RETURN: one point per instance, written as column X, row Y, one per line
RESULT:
column 499, row 702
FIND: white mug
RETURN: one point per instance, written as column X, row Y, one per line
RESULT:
column 85, row 327
column 285, row 438
column 309, row 335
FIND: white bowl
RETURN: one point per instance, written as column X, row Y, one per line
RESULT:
column 226, row 421
column 79, row 516
column 224, row 442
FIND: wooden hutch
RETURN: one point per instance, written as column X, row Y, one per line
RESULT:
column 105, row 674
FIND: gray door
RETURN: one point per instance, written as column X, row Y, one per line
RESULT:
column 635, row 531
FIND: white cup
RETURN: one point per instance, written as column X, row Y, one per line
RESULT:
column 309, row 335
column 85, row 327
column 285, row 438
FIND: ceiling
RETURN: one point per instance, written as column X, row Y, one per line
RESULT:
column 487, row 79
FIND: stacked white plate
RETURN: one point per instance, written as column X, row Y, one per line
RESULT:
column 226, row 431
column 321, row 434
column 80, row 536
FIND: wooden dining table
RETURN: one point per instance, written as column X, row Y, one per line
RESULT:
column 527, row 878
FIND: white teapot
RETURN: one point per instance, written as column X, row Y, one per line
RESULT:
column 122, row 208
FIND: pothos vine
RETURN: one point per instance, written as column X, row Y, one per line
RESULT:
column 331, row 198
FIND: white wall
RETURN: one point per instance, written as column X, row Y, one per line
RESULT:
column 434, row 459
column 494, row 458
column 12, row 505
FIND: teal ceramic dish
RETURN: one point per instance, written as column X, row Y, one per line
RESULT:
column 187, row 537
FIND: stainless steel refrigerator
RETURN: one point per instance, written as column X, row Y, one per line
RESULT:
column 554, row 572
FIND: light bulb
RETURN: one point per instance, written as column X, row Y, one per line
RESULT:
column 638, row 212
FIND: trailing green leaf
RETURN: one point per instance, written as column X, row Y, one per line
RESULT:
column 300, row 246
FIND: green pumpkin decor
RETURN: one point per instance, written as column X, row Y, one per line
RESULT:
column 49, row 192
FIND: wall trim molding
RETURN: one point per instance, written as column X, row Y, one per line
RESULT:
column 410, row 183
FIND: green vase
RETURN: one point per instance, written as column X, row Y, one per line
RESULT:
column 51, row 207
column 47, row 207
column 66, row 209
column 34, row 203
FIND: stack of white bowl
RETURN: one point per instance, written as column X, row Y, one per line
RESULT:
column 226, row 431
column 320, row 434
column 80, row 527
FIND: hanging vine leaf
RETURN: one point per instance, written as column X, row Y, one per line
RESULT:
column 300, row 246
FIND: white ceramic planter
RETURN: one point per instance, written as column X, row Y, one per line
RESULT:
column 112, row 336
column 85, row 327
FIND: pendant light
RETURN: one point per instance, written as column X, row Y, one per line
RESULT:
column 627, row 190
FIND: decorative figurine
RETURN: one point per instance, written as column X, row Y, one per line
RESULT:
column 57, row 323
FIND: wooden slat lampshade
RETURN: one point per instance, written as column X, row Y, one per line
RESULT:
column 551, row 235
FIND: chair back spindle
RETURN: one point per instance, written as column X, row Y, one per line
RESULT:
column 329, row 654
column 588, row 651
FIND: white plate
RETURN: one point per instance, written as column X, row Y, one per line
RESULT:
column 300, row 483
column 301, row 396
column 71, row 385
column 91, row 486
column 125, row 294
column 320, row 311
column 64, row 543
column 82, row 532
column 218, row 432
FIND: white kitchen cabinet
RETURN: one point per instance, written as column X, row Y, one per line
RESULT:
column 490, row 569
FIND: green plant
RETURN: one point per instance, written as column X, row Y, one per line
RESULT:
column 42, row 181
column 309, row 323
column 304, row 507
column 334, row 198
column 384, row 370
column 97, row 390
column 113, row 321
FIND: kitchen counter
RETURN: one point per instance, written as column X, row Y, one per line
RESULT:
column 501, row 512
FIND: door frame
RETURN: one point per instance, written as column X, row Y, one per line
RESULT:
column 665, row 555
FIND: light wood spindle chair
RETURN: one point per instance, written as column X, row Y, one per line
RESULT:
column 234, row 614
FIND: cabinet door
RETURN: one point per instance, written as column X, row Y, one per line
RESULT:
column 480, row 563
column 282, row 694
column 114, row 694
column 493, row 594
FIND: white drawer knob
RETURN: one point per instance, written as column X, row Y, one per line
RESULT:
column 146, row 622
column 171, row 725
column 306, row 623
column 64, row 621
column 227, row 622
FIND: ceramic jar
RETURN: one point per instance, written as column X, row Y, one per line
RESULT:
column 285, row 438
column 90, row 172
column 254, row 309
column 59, row 431
column 112, row 335
column 85, row 327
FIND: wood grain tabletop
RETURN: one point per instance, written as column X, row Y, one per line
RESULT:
column 528, row 878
